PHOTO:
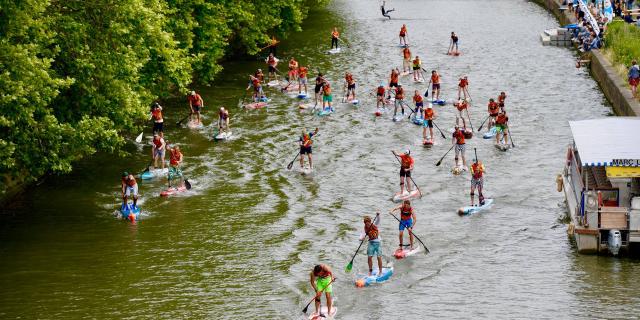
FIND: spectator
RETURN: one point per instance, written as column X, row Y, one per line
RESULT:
column 634, row 78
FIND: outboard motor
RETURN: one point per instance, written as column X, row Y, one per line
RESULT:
column 615, row 241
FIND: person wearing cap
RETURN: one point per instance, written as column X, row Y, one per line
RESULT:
column 399, row 100
column 195, row 103
column 175, row 160
column 223, row 120
column 429, row 116
column 129, row 187
column 407, row 221
column 458, row 141
column 477, row 171
column 158, row 150
column 305, row 146
column 158, row 120
column 373, row 249
column 406, row 166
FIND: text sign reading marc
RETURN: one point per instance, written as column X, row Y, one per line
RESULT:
column 626, row 162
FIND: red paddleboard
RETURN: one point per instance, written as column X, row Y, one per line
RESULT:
column 427, row 143
column 172, row 191
column 255, row 105
column 403, row 253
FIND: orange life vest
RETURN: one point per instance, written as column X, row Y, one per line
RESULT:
column 406, row 53
column 459, row 136
column 435, row 78
column 399, row 93
column 130, row 182
column 174, row 157
column 302, row 71
column 493, row 108
column 406, row 161
column 394, row 77
column 306, row 140
column 417, row 98
column 372, row 231
column 326, row 89
column 405, row 213
column 502, row 119
column 476, row 170
column 428, row 114
column 403, row 31
column 349, row 78
column 156, row 114
column 381, row 91
column 335, row 34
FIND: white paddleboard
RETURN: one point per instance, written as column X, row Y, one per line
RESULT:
column 471, row 210
column 406, row 196
column 273, row 83
column 334, row 51
column 223, row 135
column 194, row 125
column 458, row 169
column 306, row 171
column 502, row 147
column 405, row 252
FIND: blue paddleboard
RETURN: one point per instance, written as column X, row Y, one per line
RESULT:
column 363, row 280
column 490, row 134
column 471, row 210
column 129, row 209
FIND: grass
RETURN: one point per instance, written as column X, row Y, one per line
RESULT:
column 622, row 45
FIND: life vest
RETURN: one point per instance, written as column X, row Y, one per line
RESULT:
column 417, row 98
column 323, row 274
column 293, row 65
column 349, row 78
column 335, row 34
column 459, row 136
column 477, row 170
column 174, row 158
column 255, row 82
column 406, row 161
column 399, row 93
column 158, row 142
column 223, row 115
column 406, row 53
column 405, row 213
column 195, row 100
column 416, row 63
column 326, row 89
column 156, row 114
column 372, row 232
column 306, row 140
column 428, row 114
column 272, row 61
column 302, row 71
column 461, row 106
column 493, row 108
column 463, row 83
column 435, row 78
column 381, row 91
column 502, row 119
column 501, row 100
column 129, row 182
column 394, row 77
column 403, row 31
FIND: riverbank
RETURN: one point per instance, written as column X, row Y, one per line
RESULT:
column 602, row 69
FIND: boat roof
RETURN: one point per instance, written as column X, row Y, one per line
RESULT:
column 605, row 142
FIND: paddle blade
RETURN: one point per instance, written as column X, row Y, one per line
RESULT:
column 349, row 267
column 290, row 165
column 187, row 184
column 139, row 137
column 438, row 164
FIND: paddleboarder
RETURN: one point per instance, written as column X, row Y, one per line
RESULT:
column 407, row 221
column 327, row 97
column 493, row 109
column 129, row 188
column 195, row 103
column 350, row 85
column 175, row 160
column 502, row 123
column 463, row 87
column 293, row 70
column 318, row 87
column 223, row 120
column 417, row 69
column 501, row 98
column 335, row 37
column 302, row 79
column 385, row 13
column 453, row 44
column 462, row 105
column 373, row 249
column 406, row 166
column 419, row 102
column 458, row 141
column 305, row 147
column 321, row 277
column 435, row 85
column 403, row 35
column 257, row 88
column 259, row 74
column 406, row 59
column 477, row 172
column 272, row 63
column 158, row 150
column 429, row 116
column 393, row 79
column 158, row 120
column 399, row 100
column 380, row 91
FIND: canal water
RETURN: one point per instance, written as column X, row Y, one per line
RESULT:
column 241, row 243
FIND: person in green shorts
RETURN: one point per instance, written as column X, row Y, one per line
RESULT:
column 174, row 165
column 327, row 98
column 321, row 278
column 371, row 231
column 502, row 123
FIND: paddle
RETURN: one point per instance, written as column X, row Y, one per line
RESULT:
column 317, row 295
column 148, row 165
column 482, row 124
column 183, row 119
column 441, row 133
column 469, row 117
column 347, row 42
column 350, row 265
column 510, row 137
column 410, row 178
column 440, row 161
column 290, row 165
column 426, row 250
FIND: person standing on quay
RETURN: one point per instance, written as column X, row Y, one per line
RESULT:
column 634, row 78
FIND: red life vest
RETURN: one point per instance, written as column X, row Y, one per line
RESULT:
column 428, row 114
column 323, row 273
column 405, row 213
column 372, row 231
column 272, row 61
column 502, row 119
column 435, row 78
column 195, row 100
column 381, row 91
column 493, row 108
column 394, row 77
column 406, row 53
column 130, row 182
column 406, row 161
column 476, row 169
column 302, row 71
column 459, row 136
column 399, row 93
column 156, row 114
column 417, row 98
column 175, row 157
column 306, row 140
column 463, row 83
column 157, row 142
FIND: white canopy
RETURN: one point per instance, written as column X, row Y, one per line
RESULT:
column 602, row 142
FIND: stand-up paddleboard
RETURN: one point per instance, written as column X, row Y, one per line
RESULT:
column 334, row 51
column 223, row 135
column 172, row 191
column 380, row 111
column 471, row 210
column 130, row 212
column 290, row 87
column 405, row 252
column 391, row 101
column 303, row 95
column 490, row 134
column 397, row 117
column 405, row 73
column 192, row 124
column 154, row 173
column 406, row 196
column 324, row 112
column 255, row 105
column 364, row 280
column 306, row 171
column 353, row 102
column 439, row 102
column 455, row 54
column 502, row 146
column 273, row 83
column 402, row 45
column 428, row 143
column 458, row 169
column 324, row 311
column 417, row 120
column 420, row 80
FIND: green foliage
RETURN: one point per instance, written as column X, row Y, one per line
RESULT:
column 623, row 40
column 77, row 75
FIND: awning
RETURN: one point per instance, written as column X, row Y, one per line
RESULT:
column 611, row 141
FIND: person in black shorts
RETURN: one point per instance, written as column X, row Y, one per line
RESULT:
column 305, row 147
column 318, row 87
column 406, row 166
